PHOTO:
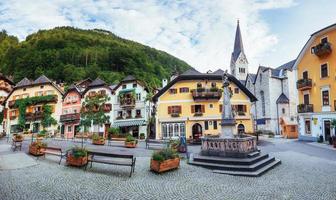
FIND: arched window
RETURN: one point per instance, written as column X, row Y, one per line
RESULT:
column 263, row 109
column 241, row 128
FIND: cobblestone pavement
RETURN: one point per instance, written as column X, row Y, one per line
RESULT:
column 303, row 174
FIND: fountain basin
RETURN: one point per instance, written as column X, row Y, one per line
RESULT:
column 237, row 147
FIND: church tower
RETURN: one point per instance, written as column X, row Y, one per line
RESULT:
column 239, row 63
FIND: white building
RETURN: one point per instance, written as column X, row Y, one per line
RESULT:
column 6, row 86
column 277, row 97
column 130, row 108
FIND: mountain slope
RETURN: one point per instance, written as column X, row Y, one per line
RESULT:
column 70, row 54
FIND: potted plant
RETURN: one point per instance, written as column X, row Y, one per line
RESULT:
column 142, row 136
column 114, row 132
column 98, row 140
column 18, row 138
column 164, row 160
column 36, row 148
column 77, row 156
column 130, row 142
column 174, row 144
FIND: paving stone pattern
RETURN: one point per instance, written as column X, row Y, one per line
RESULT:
column 300, row 176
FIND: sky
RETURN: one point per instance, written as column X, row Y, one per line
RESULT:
column 200, row 32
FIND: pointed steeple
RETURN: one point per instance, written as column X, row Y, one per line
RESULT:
column 238, row 44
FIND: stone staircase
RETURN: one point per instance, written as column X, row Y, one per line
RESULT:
column 255, row 164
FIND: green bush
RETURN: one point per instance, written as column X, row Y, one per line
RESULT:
column 142, row 135
column 164, row 154
column 78, row 152
column 42, row 133
column 96, row 137
column 130, row 138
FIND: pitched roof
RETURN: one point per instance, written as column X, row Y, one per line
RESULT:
column 24, row 82
column 191, row 71
column 238, row 44
column 287, row 66
column 42, row 79
column 218, row 71
column 97, row 82
column 202, row 76
column 282, row 99
column 72, row 88
column 8, row 79
column 129, row 78
column 252, row 76
column 113, row 86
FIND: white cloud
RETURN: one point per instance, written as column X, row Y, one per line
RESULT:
column 199, row 32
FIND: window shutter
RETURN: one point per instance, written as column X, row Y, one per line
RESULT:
column 192, row 109
column 203, row 108
column 220, row 108
column 244, row 108
column 180, row 109
column 169, row 109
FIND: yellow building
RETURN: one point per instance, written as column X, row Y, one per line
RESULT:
column 36, row 93
column 190, row 105
column 316, row 74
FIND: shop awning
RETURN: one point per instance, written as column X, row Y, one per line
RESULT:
column 128, row 123
column 126, row 91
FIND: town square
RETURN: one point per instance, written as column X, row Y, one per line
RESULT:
column 216, row 101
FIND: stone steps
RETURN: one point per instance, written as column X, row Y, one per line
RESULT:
column 229, row 161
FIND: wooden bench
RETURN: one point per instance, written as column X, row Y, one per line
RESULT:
column 127, row 159
column 16, row 145
column 152, row 142
column 54, row 151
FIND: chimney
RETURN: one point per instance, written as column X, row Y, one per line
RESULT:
column 164, row 82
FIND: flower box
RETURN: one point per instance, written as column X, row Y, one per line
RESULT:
column 77, row 162
column 165, row 165
column 98, row 142
column 130, row 144
column 36, row 151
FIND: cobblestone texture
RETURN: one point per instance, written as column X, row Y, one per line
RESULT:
column 300, row 176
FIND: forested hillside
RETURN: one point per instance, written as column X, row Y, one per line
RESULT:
column 70, row 54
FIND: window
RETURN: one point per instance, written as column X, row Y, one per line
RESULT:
column 184, row 90
column 134, row 85
column 199, row 85
column 283, row 110
column 40, row 93
column 213, row 84
column 260, row 79
column 305, row 75
column 211, row 105
column 306, row 99
column 172, row 91
column 325, row 98
column 41, row 86
column 241, row 70
column 215, row 125
column 69, row 128
column 236, row 90
column 129, row 113
column 24, row 89
column 173, row 130
column 123, row 86
column 263, row 108
column 197, row 108
column 324, row 70
column 138, row 96
column 174, row 109
column 206, row 125
column 324, row 40
column 138, row 113
column 241, row 109
column 307, row 126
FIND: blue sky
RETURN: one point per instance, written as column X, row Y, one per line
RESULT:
column 201, row 32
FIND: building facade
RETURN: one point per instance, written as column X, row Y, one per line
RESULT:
column 275, row 109
column 6, row 86
column 131, row 107
column 316, row 84
column 191, row 105
column 35, row 94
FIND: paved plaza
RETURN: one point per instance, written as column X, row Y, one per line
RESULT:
column 307, row 172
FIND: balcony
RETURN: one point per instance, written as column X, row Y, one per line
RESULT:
column 304, row 84
column 34, row 116
column 107, row 107
column 127, row 102
column 322, row 49
column 36, row 100
column 70, row 117
column 305, row 108
column 138, row 116
column 202, row 94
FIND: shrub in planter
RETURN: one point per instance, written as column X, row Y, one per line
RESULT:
column 18, row 138
column 142, row 136
column 41, row 134
column 130, row 142
column 77, row 157
column 164, row 160
column 35, row 148
column 98, row 140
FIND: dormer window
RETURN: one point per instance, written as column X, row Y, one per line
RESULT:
column 41, row 86
column 134, row 85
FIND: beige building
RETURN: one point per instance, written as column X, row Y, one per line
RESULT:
column 35, row 94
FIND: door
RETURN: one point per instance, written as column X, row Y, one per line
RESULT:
column 241, row 129
column 62, row 131
column 197, row 131
column 327, row 130
column 306, row 99
column 36, row 127
column 136, row 131
column 305, row 75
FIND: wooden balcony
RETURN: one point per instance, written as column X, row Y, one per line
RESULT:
column 34, row 116
column 127, row 102
column 202, row 94
column 37, row 100
column 305, row 108
column 304, row 84
column 322, row 49
column 70, row 117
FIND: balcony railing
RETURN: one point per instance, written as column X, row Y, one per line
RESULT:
column 304, row 84
column 34, row 116
column 322, row 49
column 37, row 100
column 70, row 117
column 305, row 108
column 127, row 102
column 202, row 94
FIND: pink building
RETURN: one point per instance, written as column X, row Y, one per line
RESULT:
column 70, row 117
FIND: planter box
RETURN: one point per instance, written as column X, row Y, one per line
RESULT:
column 130, row 144
column 77, row 162
column 36, row 151
column 18, row 140
column 164, row 166
column 98, row 142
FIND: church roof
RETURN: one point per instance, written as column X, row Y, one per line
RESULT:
column 282, row 99
column 238, row 44
column 287, row 66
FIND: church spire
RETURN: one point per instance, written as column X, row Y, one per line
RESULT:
column 238, row 44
